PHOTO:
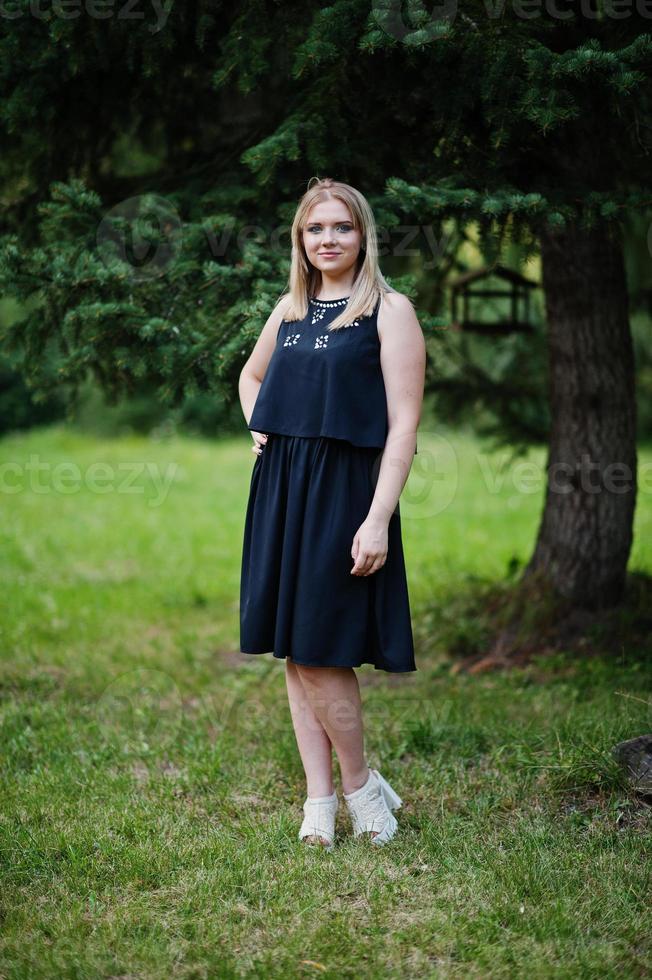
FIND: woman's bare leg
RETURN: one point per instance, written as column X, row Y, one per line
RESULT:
column 314, row 744
column 333, row 695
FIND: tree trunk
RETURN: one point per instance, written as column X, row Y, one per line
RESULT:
column 585, row 535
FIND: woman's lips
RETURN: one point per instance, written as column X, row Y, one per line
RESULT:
column 329, row 255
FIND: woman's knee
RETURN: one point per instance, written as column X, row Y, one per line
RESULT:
column 319, row 676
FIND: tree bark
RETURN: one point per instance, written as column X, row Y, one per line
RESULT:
column 585, row 534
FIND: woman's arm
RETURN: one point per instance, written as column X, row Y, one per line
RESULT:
column 253, row 372
column 403, row 362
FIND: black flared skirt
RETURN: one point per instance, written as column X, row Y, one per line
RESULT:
column 307, row 499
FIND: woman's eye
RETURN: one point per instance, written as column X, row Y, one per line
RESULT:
column 317, row 228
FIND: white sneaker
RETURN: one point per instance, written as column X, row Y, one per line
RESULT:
column 371, row 808
column 319, row 819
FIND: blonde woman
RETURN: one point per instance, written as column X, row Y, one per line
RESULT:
column 332, row 394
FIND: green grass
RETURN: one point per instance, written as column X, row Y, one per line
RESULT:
column 152, row 787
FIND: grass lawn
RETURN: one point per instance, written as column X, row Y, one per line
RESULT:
column 152, row 788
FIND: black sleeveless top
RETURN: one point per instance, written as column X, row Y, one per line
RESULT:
column 321, row 383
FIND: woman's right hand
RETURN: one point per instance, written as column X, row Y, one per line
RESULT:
column 260, row 439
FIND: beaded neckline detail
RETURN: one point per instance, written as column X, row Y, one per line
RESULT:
column 330, row 302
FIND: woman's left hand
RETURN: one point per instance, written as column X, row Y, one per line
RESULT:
column 369, row 549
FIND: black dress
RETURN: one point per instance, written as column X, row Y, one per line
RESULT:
column 322, row 404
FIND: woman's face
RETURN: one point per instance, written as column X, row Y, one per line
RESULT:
column 331, row 242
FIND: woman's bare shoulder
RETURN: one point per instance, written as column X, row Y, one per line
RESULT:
column 396, row 310
column 282, row 304
column 396, row 301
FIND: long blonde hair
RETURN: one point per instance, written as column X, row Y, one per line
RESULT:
column 305, row 279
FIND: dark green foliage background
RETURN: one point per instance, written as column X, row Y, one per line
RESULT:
column 203, row 129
